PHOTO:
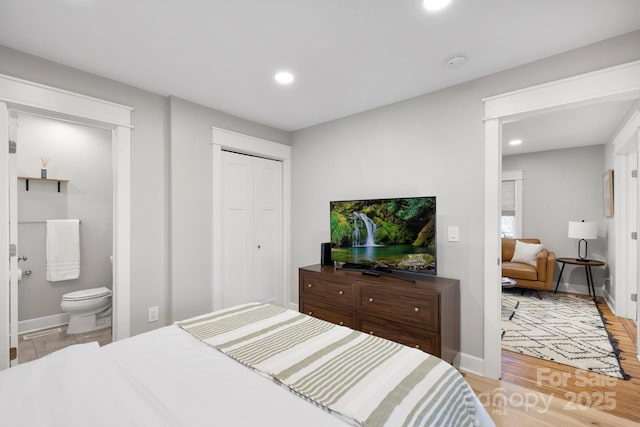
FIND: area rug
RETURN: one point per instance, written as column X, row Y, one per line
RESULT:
column 562, row 328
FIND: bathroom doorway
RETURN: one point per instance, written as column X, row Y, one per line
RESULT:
column 64, row 170
column 21, row 95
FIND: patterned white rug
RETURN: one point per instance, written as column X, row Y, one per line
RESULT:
column 562, row 328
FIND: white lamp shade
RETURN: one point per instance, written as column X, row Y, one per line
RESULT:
column 583, row 230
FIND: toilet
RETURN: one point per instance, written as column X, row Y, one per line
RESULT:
column 90, row 309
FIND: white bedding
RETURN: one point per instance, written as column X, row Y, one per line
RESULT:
column 161, row 378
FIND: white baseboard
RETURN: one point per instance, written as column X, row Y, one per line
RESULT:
column 40, row 323
column 610, row 302
column 292, row 306
column 472, row 364
column 577, row 289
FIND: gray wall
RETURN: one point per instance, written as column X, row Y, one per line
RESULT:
column 427, row 145
column 610, row 229
column 191, row 162
column 151, row 179
column 561, row 186
column 83, row 156
column 432, row 145
column 149, row 219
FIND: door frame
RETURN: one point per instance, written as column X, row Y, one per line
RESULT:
column 25, row 96
column 223, row 139
column 625, row 142
column 620, row 82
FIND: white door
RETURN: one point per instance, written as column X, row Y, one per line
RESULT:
column 13, row 237
column 8, row 240
column 251, row 230
column 4, row 237
column 237, row 243
column 267, row 230
column 635, row 260
column 632, row 244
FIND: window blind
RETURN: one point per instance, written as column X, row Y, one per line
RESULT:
column 508, row 198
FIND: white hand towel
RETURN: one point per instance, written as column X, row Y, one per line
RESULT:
column 63, row 249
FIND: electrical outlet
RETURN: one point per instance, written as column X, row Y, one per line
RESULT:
column 153, row 314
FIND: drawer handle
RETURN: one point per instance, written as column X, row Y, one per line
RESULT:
column 370, row 299
column 341, row 293
column 311, row 313
column 370, row 332
column 417, row 309
column 341, row 323
column 418, row 346
column 309, row 285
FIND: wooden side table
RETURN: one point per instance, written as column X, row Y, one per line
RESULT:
column 588, row 263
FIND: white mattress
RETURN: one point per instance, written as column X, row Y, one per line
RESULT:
column 161, row 378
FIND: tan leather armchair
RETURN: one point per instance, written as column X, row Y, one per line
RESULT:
column 539, row 278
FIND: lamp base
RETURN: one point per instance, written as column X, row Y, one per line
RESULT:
column 581, row 256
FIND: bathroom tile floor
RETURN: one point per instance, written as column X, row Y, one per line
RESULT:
column 47, row 341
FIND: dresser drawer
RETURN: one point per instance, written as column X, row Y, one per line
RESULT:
column 414, row 307
column 330, row 314
column 426, row 341
column 334, row 291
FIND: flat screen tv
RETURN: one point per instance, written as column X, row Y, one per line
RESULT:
column 395, row 234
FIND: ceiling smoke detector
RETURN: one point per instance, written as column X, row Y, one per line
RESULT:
column 456, row 61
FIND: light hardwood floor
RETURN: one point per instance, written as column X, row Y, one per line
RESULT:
column 535, row 392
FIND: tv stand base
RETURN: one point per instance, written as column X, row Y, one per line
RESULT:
column 424, row 314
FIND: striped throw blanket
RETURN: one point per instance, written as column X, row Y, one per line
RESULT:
column 366, row 380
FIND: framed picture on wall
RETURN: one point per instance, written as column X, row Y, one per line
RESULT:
column 607, row 193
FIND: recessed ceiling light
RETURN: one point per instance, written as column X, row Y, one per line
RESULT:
column 515, row 142
column 284, row 77
column 435, row 5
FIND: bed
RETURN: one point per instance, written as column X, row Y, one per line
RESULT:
column 253, row 364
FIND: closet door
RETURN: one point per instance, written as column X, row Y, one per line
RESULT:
column 251, row 230
column 237, row 243
column 267, row 230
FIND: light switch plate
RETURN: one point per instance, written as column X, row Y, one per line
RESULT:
column 453, row 233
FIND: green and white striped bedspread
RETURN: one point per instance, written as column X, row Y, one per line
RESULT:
column 364, row 379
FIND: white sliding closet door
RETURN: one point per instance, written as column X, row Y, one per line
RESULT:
column 251, row 229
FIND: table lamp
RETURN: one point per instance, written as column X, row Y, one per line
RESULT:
column 583, row 230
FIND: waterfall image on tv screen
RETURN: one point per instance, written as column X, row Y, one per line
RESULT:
column 391, row 233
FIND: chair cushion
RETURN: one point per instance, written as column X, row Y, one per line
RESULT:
column 526, row 253
column 516, row 270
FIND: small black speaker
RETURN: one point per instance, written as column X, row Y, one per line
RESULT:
column 325, row 254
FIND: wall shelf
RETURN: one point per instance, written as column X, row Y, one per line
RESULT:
column 33, row 178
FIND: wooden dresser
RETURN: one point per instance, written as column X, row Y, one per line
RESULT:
column 424, row 314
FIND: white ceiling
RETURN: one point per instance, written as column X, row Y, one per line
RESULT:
column 348, row 55
column 576, row 127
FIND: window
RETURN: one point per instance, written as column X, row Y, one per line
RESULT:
column 511, row 197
